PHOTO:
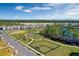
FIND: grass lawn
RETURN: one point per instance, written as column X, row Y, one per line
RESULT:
column 42, row 45
column 63, row 51
column 21, row 37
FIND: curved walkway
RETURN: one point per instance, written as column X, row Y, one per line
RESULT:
column 30, row 38
column 23, row 50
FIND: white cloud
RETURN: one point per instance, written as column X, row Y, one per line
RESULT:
column 41, row 8
column 23, row 9
column 27, row 10
column 72, row 13
column 19, row 7
column 73, row 10
column 53, row 4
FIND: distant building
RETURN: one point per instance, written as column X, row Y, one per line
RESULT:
column 33, row 25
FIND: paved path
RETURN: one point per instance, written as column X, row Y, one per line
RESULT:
column 23, row 50
column 30, row 38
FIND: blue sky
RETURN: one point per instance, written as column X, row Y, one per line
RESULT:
column 39, row 11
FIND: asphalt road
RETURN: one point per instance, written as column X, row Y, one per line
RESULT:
column 23, row 50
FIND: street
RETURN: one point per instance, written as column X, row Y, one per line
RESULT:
column 23, row 50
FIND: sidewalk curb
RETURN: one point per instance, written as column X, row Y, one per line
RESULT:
column 25, row 45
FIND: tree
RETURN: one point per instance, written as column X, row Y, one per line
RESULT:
column 52, row 31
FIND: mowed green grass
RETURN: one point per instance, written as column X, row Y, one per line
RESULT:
column 22, row 38
column 20, row 35
column 63, row 51
column 43, row 45
column 52, row 48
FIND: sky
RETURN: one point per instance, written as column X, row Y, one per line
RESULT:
column 39, row 11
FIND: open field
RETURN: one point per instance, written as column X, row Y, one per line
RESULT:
column 63, row 51
column 5, row 50
column 42, row 44
column 20, row 35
